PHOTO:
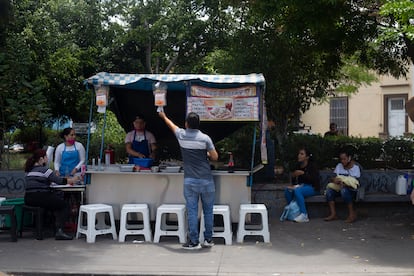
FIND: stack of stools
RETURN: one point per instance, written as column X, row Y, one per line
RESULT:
column 37, row 215
column 9, row 210
column 219, row 231
column 163, row 229
column 134, row 229
column 263, row 230
column 95, row 221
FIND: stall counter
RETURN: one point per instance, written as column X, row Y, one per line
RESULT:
column 118, row 188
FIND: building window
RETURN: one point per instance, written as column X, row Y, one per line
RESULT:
column 338, row 113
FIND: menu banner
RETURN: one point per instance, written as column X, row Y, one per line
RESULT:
column 235, row 104
column 244, row 91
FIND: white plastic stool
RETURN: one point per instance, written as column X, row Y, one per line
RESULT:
column 253, row 209
column 219, row 231
column 161, row 227
column 134, row 229
column 96, row 212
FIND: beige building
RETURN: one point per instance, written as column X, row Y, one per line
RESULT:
column 377, row 110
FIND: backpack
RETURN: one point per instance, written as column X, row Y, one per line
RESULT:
column 291, row 211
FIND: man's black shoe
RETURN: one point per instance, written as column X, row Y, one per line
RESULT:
column 62, row 236
column 208, row 243
column 191, row 246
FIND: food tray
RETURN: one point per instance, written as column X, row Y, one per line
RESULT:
column 172, row 169
column 126, row 167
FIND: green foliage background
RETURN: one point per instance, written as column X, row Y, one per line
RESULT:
column 307, row 51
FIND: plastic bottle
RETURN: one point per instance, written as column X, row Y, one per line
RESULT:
column 400, row 185
column 109, row 151
column 160, row 95
column 231, row 163
column 107, row 159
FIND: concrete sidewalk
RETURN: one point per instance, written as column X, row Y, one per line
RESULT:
column 370, row 246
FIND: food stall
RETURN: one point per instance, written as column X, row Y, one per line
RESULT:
column 224, row 104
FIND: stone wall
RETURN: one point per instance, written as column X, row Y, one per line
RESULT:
column 12, row 184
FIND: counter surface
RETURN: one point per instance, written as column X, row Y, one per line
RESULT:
column 117, row 188
column 214, row 172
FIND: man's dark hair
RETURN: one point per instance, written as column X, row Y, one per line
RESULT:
column 193, row 120
column 139, row 117
column 347, row 151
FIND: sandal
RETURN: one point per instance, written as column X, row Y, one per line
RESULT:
column 350, row 219
column 330, row 218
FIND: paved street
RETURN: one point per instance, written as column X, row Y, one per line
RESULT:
column 371, row 246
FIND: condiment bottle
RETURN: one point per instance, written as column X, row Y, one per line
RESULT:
column 109, row 155
column 231, row 163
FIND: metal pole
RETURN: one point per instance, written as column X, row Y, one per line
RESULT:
column 89, row 125
column 103, row 136
column 253, row 154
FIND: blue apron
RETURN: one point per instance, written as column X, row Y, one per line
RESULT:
column 69, row 161
column 140, row 146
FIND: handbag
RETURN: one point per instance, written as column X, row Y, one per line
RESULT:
column 290, row 211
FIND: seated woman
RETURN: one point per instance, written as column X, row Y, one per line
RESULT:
column 345, row 184
column 38, row 192
column 306, row 177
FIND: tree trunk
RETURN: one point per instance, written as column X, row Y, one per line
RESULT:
column 280, row 132
column 148, row 57
column 157, row 65
column 171, row 64
column 2, row 130
column 148, row 51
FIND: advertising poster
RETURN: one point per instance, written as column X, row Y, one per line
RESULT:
column 232, row 104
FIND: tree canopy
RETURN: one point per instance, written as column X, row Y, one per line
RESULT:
column 306, row 50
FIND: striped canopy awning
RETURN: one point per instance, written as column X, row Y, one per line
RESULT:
column 131, row 94
column 116, row 79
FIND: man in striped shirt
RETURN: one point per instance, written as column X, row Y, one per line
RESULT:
column 196, row 149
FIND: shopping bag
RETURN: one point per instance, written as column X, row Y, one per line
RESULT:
column 290, row 212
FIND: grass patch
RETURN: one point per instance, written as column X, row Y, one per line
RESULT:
column 13, row 160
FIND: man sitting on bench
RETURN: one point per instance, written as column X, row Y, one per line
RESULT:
column 345, row 184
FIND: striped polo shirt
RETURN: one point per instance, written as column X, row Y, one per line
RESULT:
column 194, row 146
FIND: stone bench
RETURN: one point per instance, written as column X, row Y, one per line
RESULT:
column 375, row 196
column 375, row 186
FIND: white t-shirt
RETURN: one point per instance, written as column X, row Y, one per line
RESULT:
column 355, row 171
column 139, row 136
column 59, row 150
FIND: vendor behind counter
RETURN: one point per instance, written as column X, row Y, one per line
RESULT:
column 139, row 142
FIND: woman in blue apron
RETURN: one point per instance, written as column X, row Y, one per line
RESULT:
column 69, row 155
column 139, row 142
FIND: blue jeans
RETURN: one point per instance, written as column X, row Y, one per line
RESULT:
column 299, row 195
column 193, row 190
column 346, row 193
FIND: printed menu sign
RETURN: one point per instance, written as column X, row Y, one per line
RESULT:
column 235, row 104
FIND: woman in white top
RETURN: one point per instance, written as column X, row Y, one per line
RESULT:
column 69, row 155
column 346, row 167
